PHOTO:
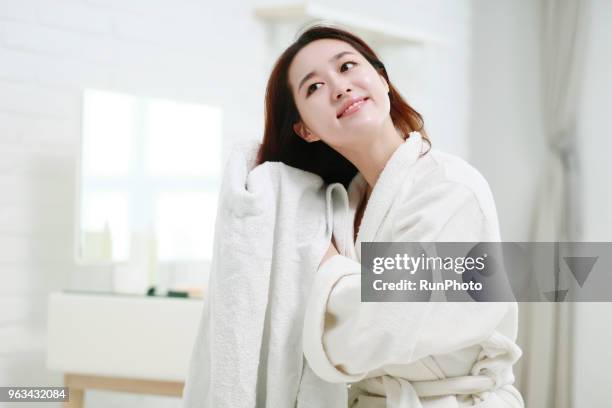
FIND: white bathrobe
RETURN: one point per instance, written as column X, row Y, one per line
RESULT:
column 416, row 354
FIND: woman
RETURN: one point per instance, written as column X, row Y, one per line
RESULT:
column 332, row 110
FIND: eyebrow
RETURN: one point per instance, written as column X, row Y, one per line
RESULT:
column 332, row 59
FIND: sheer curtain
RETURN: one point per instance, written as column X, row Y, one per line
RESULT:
column 546, row 329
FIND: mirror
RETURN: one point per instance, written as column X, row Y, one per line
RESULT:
column 149, row 177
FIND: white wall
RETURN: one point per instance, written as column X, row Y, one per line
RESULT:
column 506, row 143
column 594, row 126
column 593, row 355
column 182, row 49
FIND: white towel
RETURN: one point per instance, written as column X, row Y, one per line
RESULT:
column 273, row 226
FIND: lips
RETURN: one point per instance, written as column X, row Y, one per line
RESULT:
column 351, row 105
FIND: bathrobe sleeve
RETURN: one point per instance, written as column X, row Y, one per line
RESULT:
column 344, row 339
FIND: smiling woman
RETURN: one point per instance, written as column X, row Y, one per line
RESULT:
column 332, row 110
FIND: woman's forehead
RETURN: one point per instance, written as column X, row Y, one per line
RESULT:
column 314, row 55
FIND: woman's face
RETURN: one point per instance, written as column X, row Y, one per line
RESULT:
column 341, row 98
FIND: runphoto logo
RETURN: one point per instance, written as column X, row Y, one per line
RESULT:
column 411, row 264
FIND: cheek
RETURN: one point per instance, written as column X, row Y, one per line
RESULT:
column 316, row 115
column 375, row 86
column 379, row 93
column 318, row 107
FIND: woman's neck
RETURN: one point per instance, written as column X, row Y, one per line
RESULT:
column 371, row 159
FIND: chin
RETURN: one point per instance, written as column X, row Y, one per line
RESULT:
column 367, row 124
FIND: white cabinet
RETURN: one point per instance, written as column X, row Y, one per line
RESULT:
column 120, row 342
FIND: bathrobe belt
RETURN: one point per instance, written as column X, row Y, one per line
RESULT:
column 462, row 385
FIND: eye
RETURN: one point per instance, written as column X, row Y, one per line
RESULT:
column 351, row 63
column 312, row 88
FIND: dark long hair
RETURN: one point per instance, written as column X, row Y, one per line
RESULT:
column 281, row 143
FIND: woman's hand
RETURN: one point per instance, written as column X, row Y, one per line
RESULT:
column 331, row 251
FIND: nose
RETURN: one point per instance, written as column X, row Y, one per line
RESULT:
column 341, row 91
column 341, row 87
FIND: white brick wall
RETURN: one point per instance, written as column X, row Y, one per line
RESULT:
column 75, row 16
column 19, row 10
column 193, row 50
column 49, row 51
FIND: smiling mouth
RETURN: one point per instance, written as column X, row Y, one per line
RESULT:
column 353, row 108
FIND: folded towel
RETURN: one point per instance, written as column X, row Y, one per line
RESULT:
column 273, row 226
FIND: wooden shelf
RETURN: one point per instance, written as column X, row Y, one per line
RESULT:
column 376, row 30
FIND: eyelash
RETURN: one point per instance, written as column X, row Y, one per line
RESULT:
column 308, row 90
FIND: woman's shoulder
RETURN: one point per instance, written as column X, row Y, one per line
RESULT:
column 439, row 183
column 441, row 168
column 438, row 177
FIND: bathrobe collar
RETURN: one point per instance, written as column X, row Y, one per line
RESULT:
column 385, row 190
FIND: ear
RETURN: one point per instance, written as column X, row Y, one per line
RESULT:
column 303, row 132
